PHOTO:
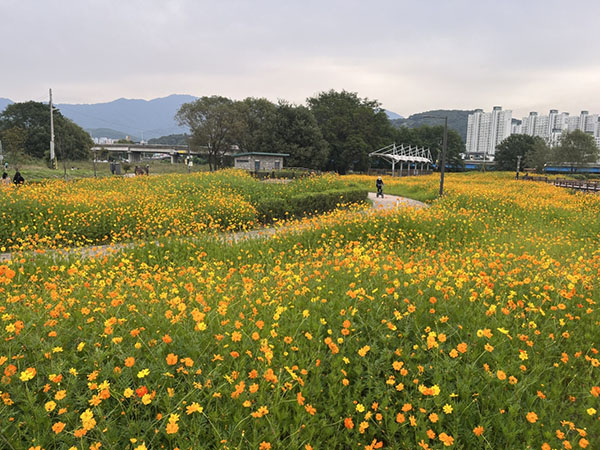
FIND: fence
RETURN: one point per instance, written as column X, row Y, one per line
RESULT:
column 589, row 186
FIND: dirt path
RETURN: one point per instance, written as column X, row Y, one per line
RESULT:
column 387, row 202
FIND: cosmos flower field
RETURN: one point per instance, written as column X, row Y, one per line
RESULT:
column 471, row 324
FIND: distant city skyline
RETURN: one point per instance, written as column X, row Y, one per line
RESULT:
column 410, row 56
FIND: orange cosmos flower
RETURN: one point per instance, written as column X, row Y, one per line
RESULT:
column 532, row 417
column 141, row 391
column 58, row 427
column 446, row 439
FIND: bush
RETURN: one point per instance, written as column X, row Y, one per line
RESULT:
column 307, row 203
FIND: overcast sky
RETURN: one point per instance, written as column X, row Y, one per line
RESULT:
column 412, row 55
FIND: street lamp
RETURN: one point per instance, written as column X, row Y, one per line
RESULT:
column 444, row 147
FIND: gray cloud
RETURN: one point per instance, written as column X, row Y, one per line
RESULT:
column 411, row 56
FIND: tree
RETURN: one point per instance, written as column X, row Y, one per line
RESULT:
column 510, row 148
column 352, row 127
column 34, row 119
column 13, row 141
column 539, row 155
column 258, row 117
column 215, row 123
column 296, row 132
column 575, row 149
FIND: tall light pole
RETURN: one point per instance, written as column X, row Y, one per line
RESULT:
column 442, row 158
column 52, row 155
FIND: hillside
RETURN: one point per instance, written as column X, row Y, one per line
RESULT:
column 392, row 115
column 110, row 133
column 457, row 120
column 4, row 102
column 141, row 118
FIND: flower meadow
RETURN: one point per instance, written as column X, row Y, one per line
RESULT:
column 470, row 324
column 58, row 214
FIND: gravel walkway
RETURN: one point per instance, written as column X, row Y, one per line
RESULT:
column 393, row 201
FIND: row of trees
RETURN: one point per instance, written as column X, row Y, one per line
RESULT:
column 334, row 131
column 25, row 130
column 575, row 149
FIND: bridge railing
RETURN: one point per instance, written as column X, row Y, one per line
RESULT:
column 581, row 185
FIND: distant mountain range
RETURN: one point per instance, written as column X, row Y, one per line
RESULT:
column 125, row 117
column 148, row 119
column 142, row 119
column 4, row 102
column 457, row 120
column 392, row 115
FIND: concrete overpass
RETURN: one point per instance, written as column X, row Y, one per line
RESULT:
column 134, row 151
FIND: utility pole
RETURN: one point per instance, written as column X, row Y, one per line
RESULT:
column 52, row 155
column 95, row 158
column 442, row 157
column 444, row 146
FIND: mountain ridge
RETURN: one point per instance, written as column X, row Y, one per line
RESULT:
column 149, row 119
column 457, row 120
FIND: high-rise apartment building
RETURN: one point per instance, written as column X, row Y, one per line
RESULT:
column 485, row 131
column 551, row 127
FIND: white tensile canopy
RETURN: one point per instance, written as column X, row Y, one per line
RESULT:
column 404, row 154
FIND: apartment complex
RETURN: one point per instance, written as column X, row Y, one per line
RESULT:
column 551, row 127
column 485, row 131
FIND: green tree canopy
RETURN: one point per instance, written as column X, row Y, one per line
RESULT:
column 510, row 148
column 34, row 118
column 352, row 127
column 296, row 132
column 258, row 117
column 13, row 142
column 539, row 155
column 576, row 148
column 215, row 123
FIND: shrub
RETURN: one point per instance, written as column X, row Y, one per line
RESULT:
column 307, row 203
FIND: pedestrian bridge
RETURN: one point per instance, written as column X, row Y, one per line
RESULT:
column 134, row 151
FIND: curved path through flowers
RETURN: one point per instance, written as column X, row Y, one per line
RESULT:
column 387, row 202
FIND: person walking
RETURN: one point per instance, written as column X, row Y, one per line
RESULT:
column 379, row 185
column 18, row 178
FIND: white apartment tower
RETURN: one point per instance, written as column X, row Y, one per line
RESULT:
column 485, row 131
column 551, row 127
